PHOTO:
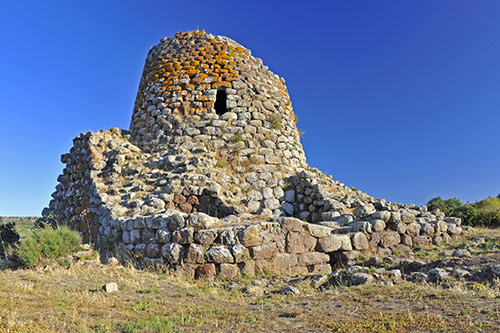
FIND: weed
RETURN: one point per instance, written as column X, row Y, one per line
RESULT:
column 489, row 244
column 235, row 138
column 155, row 291
column 275, row 120
column 152, row 324
column 477, row 286
column 140, row 306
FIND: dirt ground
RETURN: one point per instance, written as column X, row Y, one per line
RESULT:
column 72, row 300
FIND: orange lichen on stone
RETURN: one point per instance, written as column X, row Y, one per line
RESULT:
column 221, row 84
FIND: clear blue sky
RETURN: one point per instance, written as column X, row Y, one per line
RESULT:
column 400, row 99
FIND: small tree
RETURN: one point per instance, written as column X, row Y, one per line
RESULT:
column 437, row 203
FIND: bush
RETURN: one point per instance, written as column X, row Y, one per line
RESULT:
column 445, row 206
column 45, row 245
column 9, row 237
column 484, row 213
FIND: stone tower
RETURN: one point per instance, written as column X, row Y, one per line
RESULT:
column 212, row 172
column 208, row 98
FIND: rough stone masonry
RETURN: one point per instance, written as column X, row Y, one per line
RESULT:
column 211, row 176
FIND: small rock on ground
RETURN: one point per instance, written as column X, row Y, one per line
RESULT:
column 291, row 290
column 111, row 287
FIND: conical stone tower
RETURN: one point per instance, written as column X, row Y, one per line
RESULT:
column 207, row 98
column 212, row 177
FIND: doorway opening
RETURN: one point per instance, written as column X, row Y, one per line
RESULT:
column 220, row 102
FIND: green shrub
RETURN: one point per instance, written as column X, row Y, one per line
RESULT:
column 45, row 245
column 484, row 213
column 445, row 206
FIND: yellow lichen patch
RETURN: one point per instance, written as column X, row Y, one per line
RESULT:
column 221, row 84
column 191, row 70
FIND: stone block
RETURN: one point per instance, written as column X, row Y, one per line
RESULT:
column 250, row 236
column 437, row 240
column 426, row 229
column 175, row 221
column 135, row 236
column 413, row 229
column 200, row 220
column 206, row 236
column 111, row 287
column 292, row 224
column 406, row 240
column 172, row 252
column 227, row 236
column 422, row 240
column 240, row 253
column 264, row 251
column 183, row 236
column 363, row 226
column 298, row 270
column 389, row 239
column 148, row 235
column 219, row 255
column 359, row 241
column 377, row 225
column 383, row 215
column 290, row 196
column 196, row 253
column 283, row 261
column 440, row 227
column 395, row 217
column 364, row 211
column 299, row 242
column 247, row 268
column 163, row 236
column 334, row 242
column 399, row 227
column 205, row 271
column 153, row 250
column 140, row 249
column 126, row 237
column 313, row 258
column 407, row 217
column 321, row 269
column 318, row 231
column 262, row 266
column 228, row 271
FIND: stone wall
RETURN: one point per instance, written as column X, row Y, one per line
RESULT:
column 104, row 170
column 223, row 192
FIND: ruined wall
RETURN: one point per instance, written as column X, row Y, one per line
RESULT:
column 225, row 192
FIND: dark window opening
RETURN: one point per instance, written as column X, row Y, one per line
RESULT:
column 220, row 102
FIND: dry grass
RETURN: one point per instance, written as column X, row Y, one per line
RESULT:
column 71, row 300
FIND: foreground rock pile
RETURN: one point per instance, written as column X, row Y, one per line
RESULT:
column 212, row 178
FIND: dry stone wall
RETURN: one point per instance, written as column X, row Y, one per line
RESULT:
column 212, row 178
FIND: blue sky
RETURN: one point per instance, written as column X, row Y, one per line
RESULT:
column 400, row 99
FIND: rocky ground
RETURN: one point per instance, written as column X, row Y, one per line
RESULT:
column 455, row 287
